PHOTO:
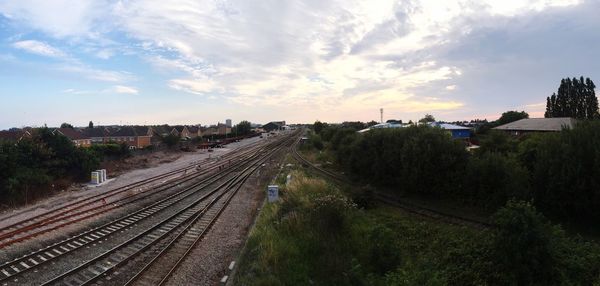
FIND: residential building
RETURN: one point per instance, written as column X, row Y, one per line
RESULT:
column 194, row 131
column 77, row 137
column 97, row 135
column 133, row 136
column 181, row 131
column 228, row 122
column 223, row 129
column 14, row 135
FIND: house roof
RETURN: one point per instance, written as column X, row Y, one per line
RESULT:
column 125, row 131
column 141, row 130
column 179, row 128
column 12, row 135
column 539, row 124
column 382, row 125
column 448, row 126
column 193, row 129
column 95, row 132
column 162, row 129
column 72, row 133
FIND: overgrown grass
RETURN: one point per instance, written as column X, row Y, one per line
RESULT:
column 317, row 236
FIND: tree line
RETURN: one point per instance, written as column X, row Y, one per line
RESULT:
column 47, row 162
column 559, row 172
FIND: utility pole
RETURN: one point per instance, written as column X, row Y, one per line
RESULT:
column 381, row 112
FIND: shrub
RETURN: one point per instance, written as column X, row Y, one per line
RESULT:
column 526, row 249
column 491, row 179
column 415, row 159
column 566, row 172
column 496, row 141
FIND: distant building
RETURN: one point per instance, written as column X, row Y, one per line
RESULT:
column 194, row 131
column 223, row 129
column 457, row 131
column 97, row 135
column 182, row 131
column 273, row 125
column 529, row 125
column 133, row 136
column 77, row 137
column 228, row 122
column 14, row 135
column 383, row 125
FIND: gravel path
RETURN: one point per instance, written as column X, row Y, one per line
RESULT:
column 208, row 262
column 81, row 191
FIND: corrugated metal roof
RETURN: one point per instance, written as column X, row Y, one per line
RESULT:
column 539, row 124
column 448, row 126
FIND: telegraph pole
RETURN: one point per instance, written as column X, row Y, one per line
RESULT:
column 381, row 113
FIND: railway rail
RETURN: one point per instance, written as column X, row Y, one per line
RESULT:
column 95, row 205
column 386, row 199
column 15, row 271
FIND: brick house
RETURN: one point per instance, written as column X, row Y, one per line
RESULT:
column 158, row 132
column 181, row 131
column 194, row 131
column 77, row 137
column 133, row 136
column 97, row 135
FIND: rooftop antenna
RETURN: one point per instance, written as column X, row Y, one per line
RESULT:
column 381, row 112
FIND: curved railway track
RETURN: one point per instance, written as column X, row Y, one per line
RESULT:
column 178, row 209
column 409, row 207
column 99, row 204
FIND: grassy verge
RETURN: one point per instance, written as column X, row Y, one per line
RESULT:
column 317, row 236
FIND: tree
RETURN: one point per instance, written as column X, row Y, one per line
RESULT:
column 394, row 121
column 371, row 123
column 171, row 140
column 243, row 128
column 318, row 126
column 427, row 118
column 511, row 116
column 91, row 125
column 575, row 98
column 66, row 125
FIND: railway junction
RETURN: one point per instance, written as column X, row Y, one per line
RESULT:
column 147, row 232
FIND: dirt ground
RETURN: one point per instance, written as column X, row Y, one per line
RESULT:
column 146, row 166
column 118, row 167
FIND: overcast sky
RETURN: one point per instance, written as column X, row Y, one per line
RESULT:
column 190, row 62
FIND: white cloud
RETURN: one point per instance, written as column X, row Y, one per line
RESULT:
column 301, row 55
column 125, row 89
column 96, row 74
column 39, row 48
column 60, row 18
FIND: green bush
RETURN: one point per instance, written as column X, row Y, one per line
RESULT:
column 526, row 249
column 492, row 178
column 316, row 141
column 496, row 141
column 420, row 159
column 28, row 167
column 566, row 172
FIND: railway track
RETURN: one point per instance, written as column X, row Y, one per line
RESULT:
column 169, row 241
column 409, row 207
column 99, row 204
column 16, row 271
